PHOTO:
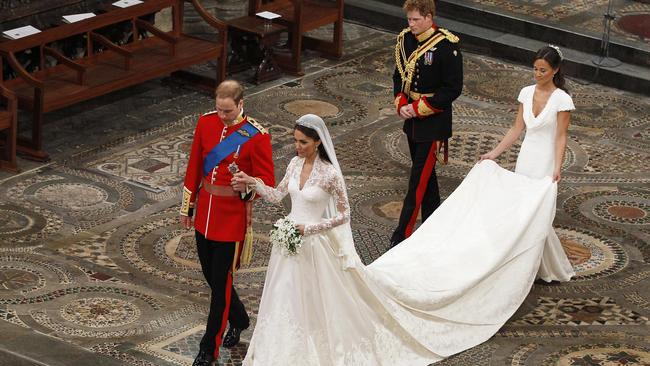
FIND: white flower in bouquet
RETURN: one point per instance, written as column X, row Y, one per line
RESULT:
column 285, row 235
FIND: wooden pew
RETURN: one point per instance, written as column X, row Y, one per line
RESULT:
column 118, row 66
column 302, row 16
column 8, row 128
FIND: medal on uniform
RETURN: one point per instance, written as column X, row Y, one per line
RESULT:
column 428, row 58
column 233, row 167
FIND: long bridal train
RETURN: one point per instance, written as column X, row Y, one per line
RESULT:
column 447, row 288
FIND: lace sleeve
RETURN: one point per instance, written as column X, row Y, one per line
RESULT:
column 334, row 186
column 275, row 195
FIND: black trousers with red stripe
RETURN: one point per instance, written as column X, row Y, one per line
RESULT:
column 423, row 194
column 216, row 262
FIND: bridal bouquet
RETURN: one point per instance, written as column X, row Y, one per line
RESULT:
column 285, row 235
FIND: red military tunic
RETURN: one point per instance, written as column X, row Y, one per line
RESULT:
column 222, row 217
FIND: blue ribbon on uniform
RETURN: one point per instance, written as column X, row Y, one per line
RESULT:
column 228, row 145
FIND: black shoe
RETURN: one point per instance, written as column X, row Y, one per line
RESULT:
column 203, row 359
column 232, row 337
column 395, row 239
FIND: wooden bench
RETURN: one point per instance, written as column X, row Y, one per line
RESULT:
column 267, row 35
column 8, row 106
column 118, row 66
column 302, row 16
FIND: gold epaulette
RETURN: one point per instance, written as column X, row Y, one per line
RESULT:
column 257, row 125
column 209, row 113
column 450, row 36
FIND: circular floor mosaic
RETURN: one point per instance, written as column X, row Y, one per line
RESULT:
column 19, row 279
column 377, row 209
column 621, row 207
column 503, row 92
column 591, row 255
column 305, row 106
column 606, row 110
column 154, row 260
column 100, row 312
column 15, row 222
column 74, row 196
column 623, row 212
column 600, row 354
column 636, row 24
column 23, row 276
column 178, row 249
column 26, row 225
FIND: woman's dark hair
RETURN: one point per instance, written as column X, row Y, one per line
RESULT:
column 311, row 133
column 553, row 57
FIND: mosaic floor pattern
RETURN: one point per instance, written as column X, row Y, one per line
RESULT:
column 630, row 25
column 91, row 253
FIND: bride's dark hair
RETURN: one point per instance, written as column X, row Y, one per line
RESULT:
column 554, row 58
column 311, row 133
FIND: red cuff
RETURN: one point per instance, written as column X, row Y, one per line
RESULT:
column 422, row 107
column 400, row 101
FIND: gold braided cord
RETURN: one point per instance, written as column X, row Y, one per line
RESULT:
column 406, row 66
column 410, row 67
column 399, row 48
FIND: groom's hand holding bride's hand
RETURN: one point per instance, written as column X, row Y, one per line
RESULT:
column 240, row 180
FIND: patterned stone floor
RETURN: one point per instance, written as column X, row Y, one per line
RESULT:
column 91, row 254
column 630, row 27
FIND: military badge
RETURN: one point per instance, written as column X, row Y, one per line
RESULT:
column 244, row 133
column 233, row 168
column 428, row 58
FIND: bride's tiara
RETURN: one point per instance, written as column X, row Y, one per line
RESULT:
column 310, row 121
column 557, row 49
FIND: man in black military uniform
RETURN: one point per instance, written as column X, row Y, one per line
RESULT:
column 428, row 78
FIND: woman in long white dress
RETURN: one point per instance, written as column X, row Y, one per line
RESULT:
column 544, row 113
column 447, row 288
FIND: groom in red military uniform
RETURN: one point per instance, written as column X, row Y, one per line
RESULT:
column 428, row 78
column 225, row 141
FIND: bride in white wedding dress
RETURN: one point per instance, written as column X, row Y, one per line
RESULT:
column 447, row 288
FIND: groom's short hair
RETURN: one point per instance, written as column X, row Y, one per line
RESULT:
column 230, row 89
column 424, row 7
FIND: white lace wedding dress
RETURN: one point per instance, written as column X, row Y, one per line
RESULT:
column 447, row 288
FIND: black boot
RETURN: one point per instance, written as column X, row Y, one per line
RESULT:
column 232, row 337
column 203, row 359
column 395, row 239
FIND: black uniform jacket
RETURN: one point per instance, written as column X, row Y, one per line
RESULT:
column 438, row 71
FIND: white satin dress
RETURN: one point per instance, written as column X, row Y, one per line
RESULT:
column 447, row 288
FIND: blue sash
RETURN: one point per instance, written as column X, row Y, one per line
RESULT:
column 228, row 146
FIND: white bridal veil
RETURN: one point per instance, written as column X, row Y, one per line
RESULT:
column 342, row 233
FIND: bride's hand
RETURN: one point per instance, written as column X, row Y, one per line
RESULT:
column 242, row 178
column 301, row 228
